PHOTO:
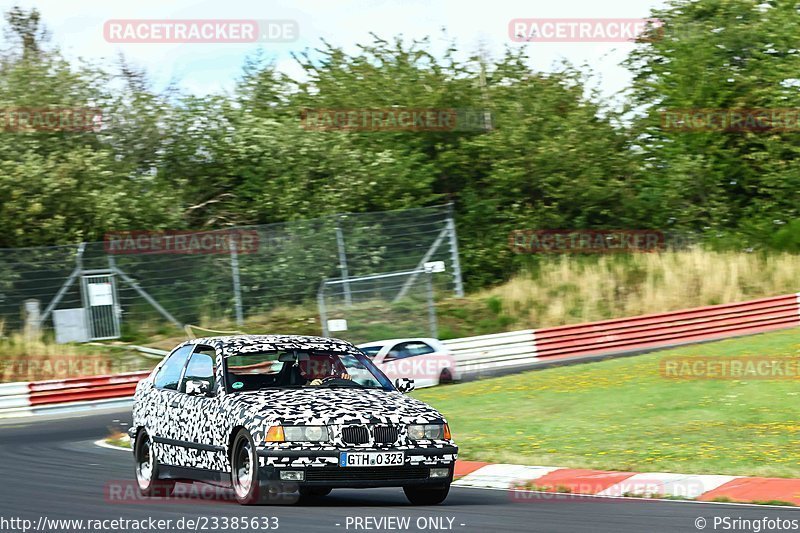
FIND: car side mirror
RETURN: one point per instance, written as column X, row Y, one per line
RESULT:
column 198, row 387
column 404, row 385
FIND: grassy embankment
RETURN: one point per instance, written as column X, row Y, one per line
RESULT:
column 622, row 414
column 566, row 290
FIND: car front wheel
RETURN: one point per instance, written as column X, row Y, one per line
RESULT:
column 426, row 495
column 147, row 469
column 244, row 469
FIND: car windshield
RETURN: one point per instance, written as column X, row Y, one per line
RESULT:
column 371, row 351
column 301, row 368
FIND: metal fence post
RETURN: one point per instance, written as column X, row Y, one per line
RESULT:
column 67, row 284
column 237, row 289
column 431, row 306
column 454, row 261
column 343, row 263
column 323, row 313
column 138, row 288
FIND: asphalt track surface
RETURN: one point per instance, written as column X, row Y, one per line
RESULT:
column 52, row 470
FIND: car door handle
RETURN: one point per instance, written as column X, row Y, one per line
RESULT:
column 174, row 403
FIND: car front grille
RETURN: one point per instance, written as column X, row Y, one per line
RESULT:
column 355, row 435
column 385, row 434
column 367, row 474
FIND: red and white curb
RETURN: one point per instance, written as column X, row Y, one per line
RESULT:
column 600, row 483
column 24, row 399
column 631, row 484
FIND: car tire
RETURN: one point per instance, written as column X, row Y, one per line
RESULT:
column 426, row 495
column 445, row 377
column 146, row 469
column 314, row 492
column 244, row 470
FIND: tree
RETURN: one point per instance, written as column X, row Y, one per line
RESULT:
column 719, row 54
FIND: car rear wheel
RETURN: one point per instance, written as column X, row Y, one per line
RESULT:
column 147, row 469
column 426, row 495
column 445, row 377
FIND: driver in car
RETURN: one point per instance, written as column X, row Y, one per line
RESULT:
column 327, row 370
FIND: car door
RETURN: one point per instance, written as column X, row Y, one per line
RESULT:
column 420, row 357
column 201, row 429
column 392, row 362
column 164, row 411
column 413, row 359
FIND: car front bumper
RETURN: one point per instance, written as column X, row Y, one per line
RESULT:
column 321, row 467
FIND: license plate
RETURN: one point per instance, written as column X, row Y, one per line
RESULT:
column 371, row 459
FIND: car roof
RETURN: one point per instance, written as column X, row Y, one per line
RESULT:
column 428, row 340
column 233, row 344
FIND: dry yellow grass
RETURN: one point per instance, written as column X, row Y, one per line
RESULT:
column 31, row 359
column 569, row 289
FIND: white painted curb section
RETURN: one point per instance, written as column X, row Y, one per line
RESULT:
column 666, row 484
column 503, row 476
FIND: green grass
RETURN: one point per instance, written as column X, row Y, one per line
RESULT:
column 118, row 438
column 621, row 414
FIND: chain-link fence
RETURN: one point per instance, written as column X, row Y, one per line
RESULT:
column 92, row 290
column 387, row 305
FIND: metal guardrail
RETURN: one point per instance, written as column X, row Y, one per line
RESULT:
column 624, row 335
column 41, row 397
column 670, row 329
column 512, row 350
column 83, row 389
column 474, row 354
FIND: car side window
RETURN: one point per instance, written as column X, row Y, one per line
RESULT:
column 200, row 368
column 417, row 348
column 398, row 352
column 409, row 349
column 371, row 351
column 170, row 374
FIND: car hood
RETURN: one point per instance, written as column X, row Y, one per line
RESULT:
column 332, row 406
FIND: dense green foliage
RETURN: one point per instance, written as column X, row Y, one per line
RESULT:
column 555, row 156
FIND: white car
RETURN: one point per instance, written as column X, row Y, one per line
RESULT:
column 427, row 361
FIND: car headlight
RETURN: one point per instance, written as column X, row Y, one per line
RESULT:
column 305, row 433
column 428, row 432
column 300, row 434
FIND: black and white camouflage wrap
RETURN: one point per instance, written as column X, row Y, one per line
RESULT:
column 212, row 421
